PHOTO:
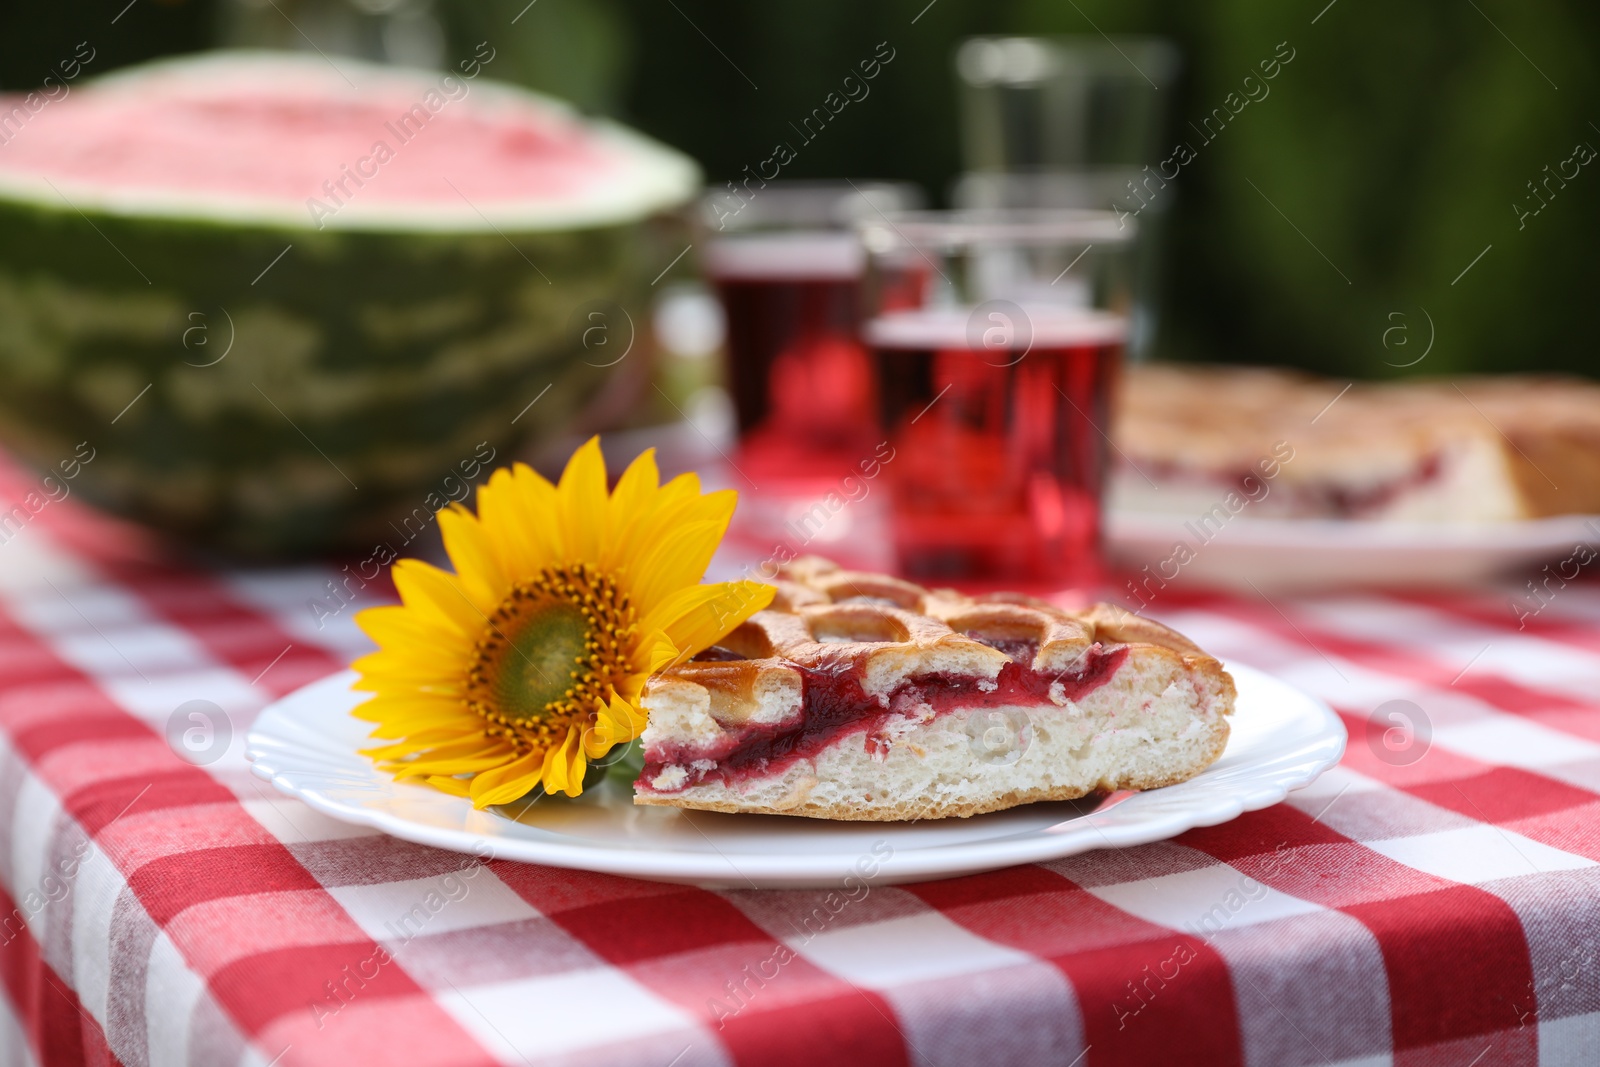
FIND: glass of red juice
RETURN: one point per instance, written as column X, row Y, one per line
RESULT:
column 786, row 264
column 996, row 338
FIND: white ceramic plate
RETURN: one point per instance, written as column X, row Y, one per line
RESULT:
column 1326, row 553
column 306, row 745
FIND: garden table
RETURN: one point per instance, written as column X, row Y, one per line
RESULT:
column 1435, row 899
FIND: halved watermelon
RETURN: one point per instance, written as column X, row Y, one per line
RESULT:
column 285, row 301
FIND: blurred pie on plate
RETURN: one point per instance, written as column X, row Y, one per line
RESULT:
column 1474, row 449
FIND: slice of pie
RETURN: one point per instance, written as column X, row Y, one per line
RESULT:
column 861, row 696
column 1291, row 445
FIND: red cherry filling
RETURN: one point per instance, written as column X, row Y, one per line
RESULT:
column 833, row 705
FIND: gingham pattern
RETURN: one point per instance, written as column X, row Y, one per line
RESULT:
column 1441, row 912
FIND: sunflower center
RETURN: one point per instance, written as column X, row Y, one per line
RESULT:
column 551, row 655
column 540, row 659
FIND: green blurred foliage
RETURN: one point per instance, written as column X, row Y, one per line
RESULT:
column 1389, row 153
column 1395, row 143
column 35, row 37
column 578, row 51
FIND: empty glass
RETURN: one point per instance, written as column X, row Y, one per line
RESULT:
column 1072, row 123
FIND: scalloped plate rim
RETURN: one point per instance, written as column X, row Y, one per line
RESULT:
column 1314, row 740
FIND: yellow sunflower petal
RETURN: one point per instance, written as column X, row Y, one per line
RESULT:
column 655, row 650
column 540, row 504
column 445, row 693
column 380, row 686
column 434, row 709
column 427, row 589
column 508, row 539
column 717, row 507
column 685, row 486
column 631, row 503
column 677, row 604
column 678, row 502
column 466, row 746
column 696, row 615
column 583, row 501
column 419, row 706
column 577, row 766
column 398, row 625
column 563, row 772
column 631, row 689
column 418, row 662
column 554, row 775
column 398, row 732
column 671, row 564
column 488, row 759
column 620, row 722
column 477, row 564
column 419, row 741
column 702, row 626
column 456, row 787
column 595, row 741
column 397, row 727
column 508, row 782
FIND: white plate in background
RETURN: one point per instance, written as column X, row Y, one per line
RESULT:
column 1328, row 553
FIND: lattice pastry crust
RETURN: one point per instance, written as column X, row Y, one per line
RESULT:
column 863, row 696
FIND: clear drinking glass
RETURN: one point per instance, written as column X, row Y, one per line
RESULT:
column 996, row 337
column 787, row 265
column 1063, row 103
column 1072, row 123
column 1115, row 189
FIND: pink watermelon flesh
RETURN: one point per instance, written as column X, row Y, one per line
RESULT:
column 286, row 130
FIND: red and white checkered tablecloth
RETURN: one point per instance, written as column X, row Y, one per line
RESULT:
column 1430, row 902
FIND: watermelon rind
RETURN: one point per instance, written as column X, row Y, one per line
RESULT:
column 368, row 370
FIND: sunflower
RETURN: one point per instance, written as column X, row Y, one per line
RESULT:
column 528, row 661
